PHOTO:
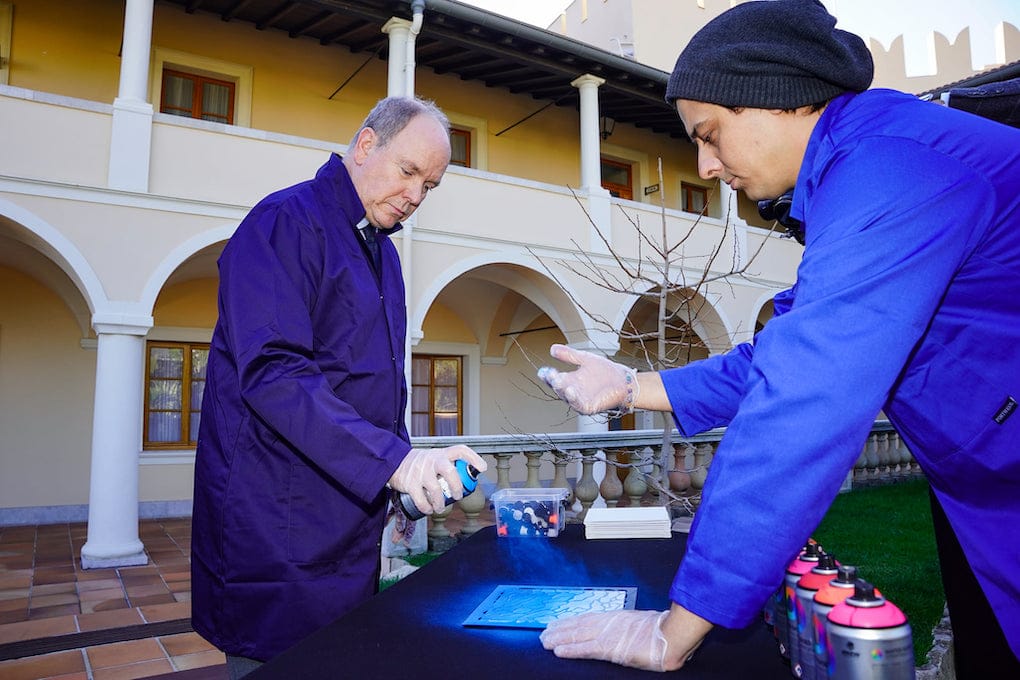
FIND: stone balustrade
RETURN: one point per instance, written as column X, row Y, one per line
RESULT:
column 626, row 468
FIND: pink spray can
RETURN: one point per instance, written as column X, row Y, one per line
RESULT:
column 869, row 638
column 786, row 613
column 827, row 597
column 802, row 659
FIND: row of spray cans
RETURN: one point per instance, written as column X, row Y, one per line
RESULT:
column 831, row 624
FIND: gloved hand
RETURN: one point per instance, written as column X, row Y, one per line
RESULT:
column 627, row 637
column 418, row 475
column 597, row 385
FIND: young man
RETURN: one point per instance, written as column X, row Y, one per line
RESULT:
column 302, row 429
column 907, row 300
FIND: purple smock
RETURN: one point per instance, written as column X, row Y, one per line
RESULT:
column 302, row 421
column 907, row 299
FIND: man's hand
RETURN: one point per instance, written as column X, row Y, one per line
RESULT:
column 418, row 475
column 596, row 386
column 649, row 640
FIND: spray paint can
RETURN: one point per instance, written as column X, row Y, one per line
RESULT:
column 802, row 659
column 468, row 477
column 827, row 597
column 869, row 638
column 785, row 617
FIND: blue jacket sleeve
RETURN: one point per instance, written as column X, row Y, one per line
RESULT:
column 882, row 248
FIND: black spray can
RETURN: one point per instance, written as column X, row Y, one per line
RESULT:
column 869, row 638
column 468, row 477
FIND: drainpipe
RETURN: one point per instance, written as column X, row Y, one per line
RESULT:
column 417, row 17
column 407, row 233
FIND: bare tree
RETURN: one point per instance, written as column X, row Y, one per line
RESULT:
column 669, row 294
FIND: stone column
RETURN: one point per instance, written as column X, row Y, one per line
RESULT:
column 591, row 162
column 116, row 441
column 131, row 134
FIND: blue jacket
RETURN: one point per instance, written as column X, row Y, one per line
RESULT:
column 302, row 421
column 907, row 299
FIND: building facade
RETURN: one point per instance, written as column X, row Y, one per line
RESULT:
column 136, row 135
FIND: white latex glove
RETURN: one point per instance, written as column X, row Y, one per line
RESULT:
column 419, row 473
column 627, row 637
column 596, row 386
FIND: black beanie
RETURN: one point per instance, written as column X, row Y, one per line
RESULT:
column 771, row 54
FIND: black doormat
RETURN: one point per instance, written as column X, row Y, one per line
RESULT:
column 60, row 643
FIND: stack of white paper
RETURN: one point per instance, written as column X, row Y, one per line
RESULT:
column 638, row 522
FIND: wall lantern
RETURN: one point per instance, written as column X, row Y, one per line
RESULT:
column 606, row 125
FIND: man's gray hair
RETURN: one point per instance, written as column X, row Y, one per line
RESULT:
column 392, row 114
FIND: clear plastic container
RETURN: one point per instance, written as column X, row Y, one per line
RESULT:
column 529, row 512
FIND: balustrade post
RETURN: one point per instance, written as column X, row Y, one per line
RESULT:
column 472, row 506
column 586, row 490
column 634, row 485
column 559, row 480
column 503, row 469
column 534, row 464
column 882, row 449
column 611, row 487
column 440, row 539
column 871, row 457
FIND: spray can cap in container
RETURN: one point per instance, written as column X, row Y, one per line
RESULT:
column 468, row 478
column 806, row 560
column 866, row 608
column 839, row 588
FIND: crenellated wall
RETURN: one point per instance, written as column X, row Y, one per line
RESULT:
column 952, row 60
column 655, row 32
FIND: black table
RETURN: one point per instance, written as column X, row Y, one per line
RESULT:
column 413, row 628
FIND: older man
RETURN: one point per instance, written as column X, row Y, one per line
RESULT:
column 302, row 428
column 907, row 300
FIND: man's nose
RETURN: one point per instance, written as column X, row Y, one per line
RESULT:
column 709, row 166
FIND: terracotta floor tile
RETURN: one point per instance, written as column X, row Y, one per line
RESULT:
column 103, row 605
column 177, row 575
column 46, row 666
column 12, row 562
column 48, row 575
column 149, row 589
column 133, row 572
column 13, row 604
column 184, row 596
column 121, row 653
column 39, row 590
column 184, row 643
column 69, row 676
column 115, row 618
column 166, row 612
column 212, row 657
column 150, row 600
column 97, row 575
column 40, row 601
column 14, row 616
column 15, row 593
column 18, row 534
column 112, row 593
column 40, row 628
column 54, row 611
column 98, row 584
column 18, row 578
column 144, row 669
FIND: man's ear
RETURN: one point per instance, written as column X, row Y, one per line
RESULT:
column 364, row 144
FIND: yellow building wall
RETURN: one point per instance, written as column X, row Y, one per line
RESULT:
column 46, row 394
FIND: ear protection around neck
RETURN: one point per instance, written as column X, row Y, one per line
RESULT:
column 778, row 209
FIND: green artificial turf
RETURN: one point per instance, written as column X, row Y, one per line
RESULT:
column 886, row 532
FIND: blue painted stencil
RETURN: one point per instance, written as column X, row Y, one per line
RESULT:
column 535, row 606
